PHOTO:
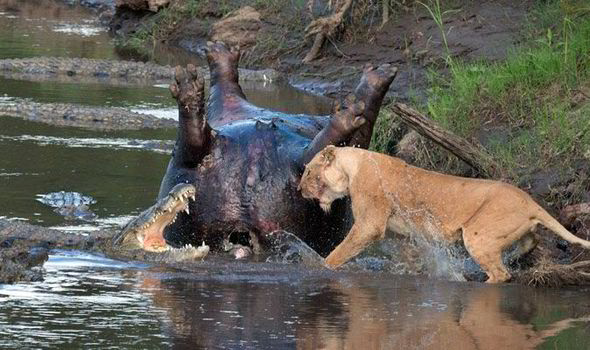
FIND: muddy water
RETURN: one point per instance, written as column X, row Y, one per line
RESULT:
column 88, row 301
column 92, row 302
column 121, row 171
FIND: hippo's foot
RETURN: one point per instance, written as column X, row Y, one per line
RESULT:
column 371, row 90
column 223, row 61
column 194, row 133
column 189, row 92
column 147, row 230
column 378, row 79
column 347, row 117
column 353, row 120
column 227, row 101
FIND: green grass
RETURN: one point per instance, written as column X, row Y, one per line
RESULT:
column 529, row 95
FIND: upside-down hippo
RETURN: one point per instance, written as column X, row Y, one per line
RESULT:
column 235, row 168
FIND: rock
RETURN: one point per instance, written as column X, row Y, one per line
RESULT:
column 407, row 147
column 572, row 212
column 156, row 5
column 135, row 5
column 142, row 5
column 237, row 28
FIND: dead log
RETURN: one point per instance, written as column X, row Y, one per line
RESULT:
column 470, row 153
column 323, row 28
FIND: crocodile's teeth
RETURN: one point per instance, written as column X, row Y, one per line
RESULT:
column 186, row 210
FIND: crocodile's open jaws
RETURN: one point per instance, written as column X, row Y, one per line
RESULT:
column 147, row 230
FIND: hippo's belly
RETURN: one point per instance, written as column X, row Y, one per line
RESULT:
column 248, row 184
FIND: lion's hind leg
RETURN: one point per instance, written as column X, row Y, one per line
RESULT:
column 486, row 243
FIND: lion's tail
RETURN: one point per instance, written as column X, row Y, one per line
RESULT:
column 551, row 223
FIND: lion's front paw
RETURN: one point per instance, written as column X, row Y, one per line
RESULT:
column 331, row 263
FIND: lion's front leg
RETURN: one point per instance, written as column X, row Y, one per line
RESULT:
column 360, row 236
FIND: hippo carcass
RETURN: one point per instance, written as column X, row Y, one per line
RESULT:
column 236, row 167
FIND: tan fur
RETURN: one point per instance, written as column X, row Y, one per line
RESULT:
column 389, row 195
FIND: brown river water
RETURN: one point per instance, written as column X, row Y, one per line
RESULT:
column 88, row 301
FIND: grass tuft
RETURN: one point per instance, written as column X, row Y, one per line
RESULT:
column 530, row 97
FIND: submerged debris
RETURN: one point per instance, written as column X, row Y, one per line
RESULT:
column 545, row 272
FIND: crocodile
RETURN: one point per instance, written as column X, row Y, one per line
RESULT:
column 71, row 205
column 68, row 114
column 142, row 73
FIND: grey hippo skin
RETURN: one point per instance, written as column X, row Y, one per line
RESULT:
column 243, row 163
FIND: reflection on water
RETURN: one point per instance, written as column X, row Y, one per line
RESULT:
column 51, row 28
column 86, row 94
column 369, row 312
column 156, row 99
column 85, row 301
column 89, row 301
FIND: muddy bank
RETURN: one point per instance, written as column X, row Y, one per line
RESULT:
column 485, row 30
column 410, row 39
column 99, row 118
column 24, row 249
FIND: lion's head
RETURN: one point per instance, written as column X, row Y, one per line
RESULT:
column 323, row 179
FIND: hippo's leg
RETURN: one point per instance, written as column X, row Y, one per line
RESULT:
column 147, row 230
column 371, row 90
column 194, row 133
column 227, row 101
column 344, row 121
column 353, row 126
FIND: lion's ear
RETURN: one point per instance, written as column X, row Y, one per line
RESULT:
column 328, row 154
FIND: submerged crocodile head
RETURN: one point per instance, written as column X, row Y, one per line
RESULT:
column 147, row 230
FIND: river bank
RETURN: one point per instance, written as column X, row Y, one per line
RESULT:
column 410, row 40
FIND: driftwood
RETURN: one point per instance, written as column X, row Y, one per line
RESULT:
column 470, row 153
column 323, row 28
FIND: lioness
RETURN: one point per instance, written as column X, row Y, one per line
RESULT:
column 387, row 193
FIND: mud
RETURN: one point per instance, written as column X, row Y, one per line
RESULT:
column 24, row 249
column 98, row 118
column 485, row 30
column 411, row 40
